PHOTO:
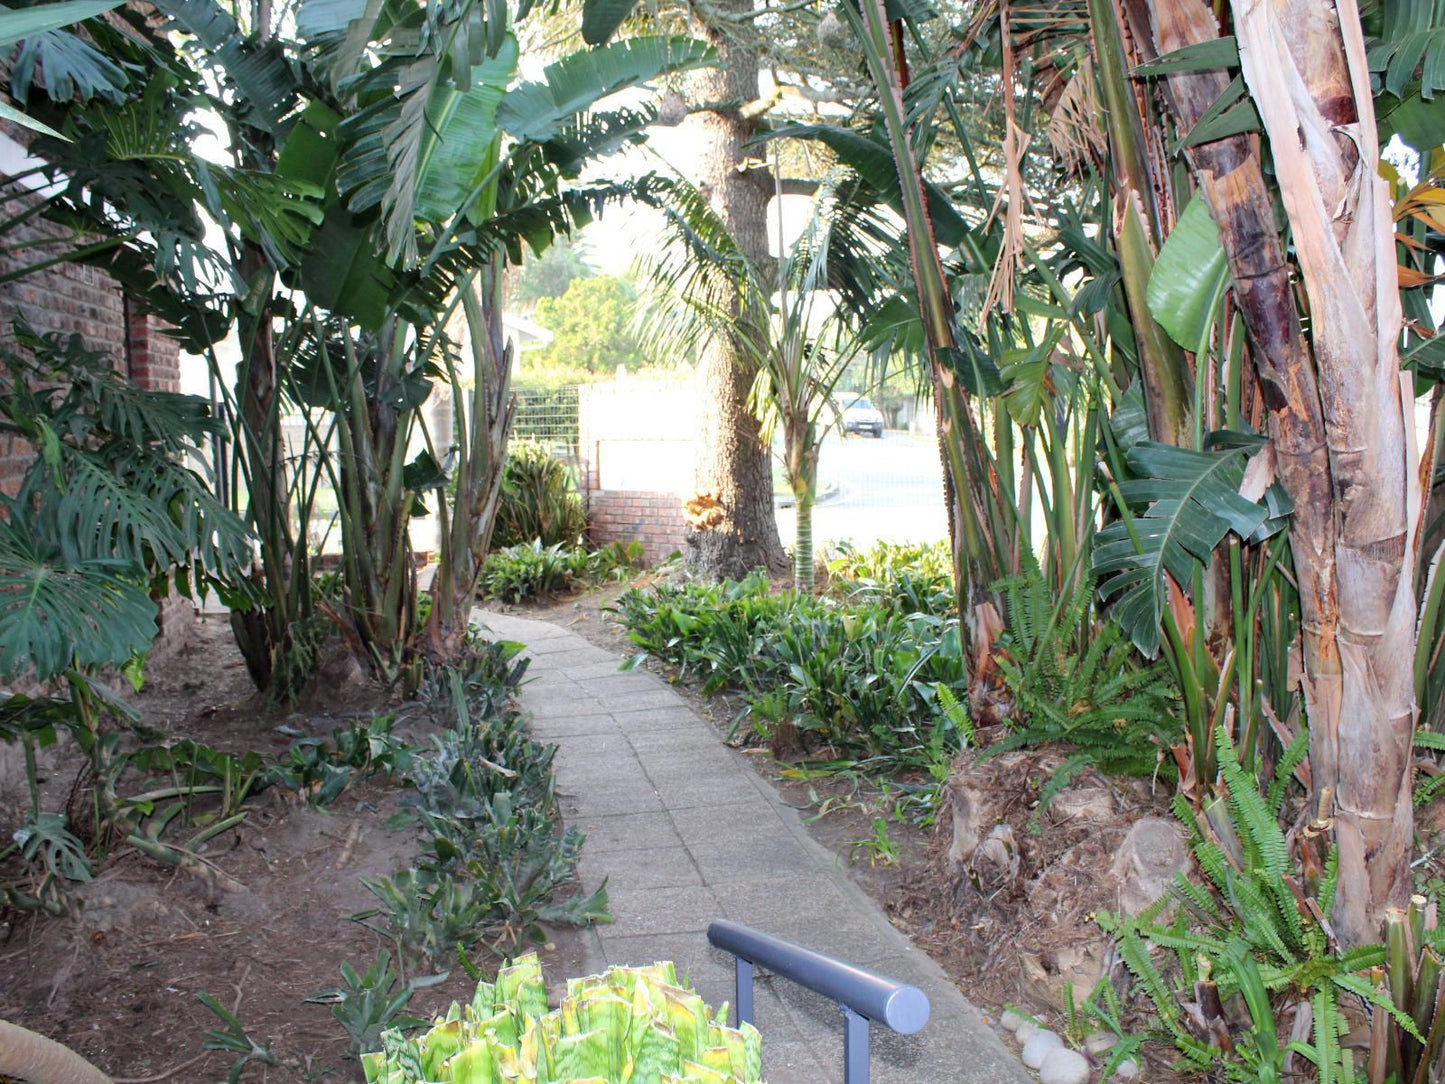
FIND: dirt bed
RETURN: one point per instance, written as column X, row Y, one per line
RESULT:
column 261, row 926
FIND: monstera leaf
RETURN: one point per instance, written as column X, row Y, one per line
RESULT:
column 55, row 615
column 1190, row 500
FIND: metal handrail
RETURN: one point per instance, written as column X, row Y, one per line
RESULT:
column 862, row 995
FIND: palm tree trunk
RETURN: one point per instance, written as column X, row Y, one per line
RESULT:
column 1339, row 415
column 732, row 463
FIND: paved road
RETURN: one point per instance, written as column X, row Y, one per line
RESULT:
column 685, row 831
column 890, row 488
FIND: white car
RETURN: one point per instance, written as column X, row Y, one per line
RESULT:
column 861, row 416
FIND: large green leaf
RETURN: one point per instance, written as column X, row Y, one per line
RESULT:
column 1189, row 277
column 538, row 111
column 1191, row 500
column 341, row 270
column 16, row 25
column 461, row 128
column 1411, row 47
column 873, row 162
column 601, row 18
column 52, row 616
column 73, row 68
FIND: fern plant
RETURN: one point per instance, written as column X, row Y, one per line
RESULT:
column 1080, row 682
column 1257, row 932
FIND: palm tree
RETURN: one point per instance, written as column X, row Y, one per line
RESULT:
column 799, row 344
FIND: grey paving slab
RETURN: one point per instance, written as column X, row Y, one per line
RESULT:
column 685, row 831
column 628, row 832
column 642, row 723
column 703, row 825
column 658, row 910
column 654, row 867
column 749, row 858
column 616, row 799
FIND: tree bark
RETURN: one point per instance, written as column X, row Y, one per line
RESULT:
column 732, row 461
column 1339, row 413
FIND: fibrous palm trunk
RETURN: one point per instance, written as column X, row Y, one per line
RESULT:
column 732, row 462
column 1338, row 407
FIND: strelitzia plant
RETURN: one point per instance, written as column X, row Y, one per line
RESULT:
column 629, row 1024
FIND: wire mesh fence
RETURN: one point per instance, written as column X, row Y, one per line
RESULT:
column 548, row 416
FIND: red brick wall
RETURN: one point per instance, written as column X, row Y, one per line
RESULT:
column 75, row 298
column 654, row 519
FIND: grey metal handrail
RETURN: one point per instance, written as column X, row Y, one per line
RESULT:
column 861, row 995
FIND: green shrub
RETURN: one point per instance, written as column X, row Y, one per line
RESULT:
column 856, row 680
column 539, row 500
column 631, row 1023
column 1252, row 945
column 906, row 576
column 531, row 569
column 497, row 861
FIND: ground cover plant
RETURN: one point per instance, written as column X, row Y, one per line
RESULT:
column 833, row 679
column 531, row 570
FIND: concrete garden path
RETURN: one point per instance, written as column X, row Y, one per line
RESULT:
column 685, row 832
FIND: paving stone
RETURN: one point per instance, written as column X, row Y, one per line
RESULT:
column 751, row 858
column 579, row 749
column 676, row 739
column 600, row 803
column 653, row 867
column 573, row 725
column 627, row 832
column 712, row 824
column 645, row 699
column 603, row 773
column 658, row 910
column 698, row 761
column 683, row 789
column 641, row 726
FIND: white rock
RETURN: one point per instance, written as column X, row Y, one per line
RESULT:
column 1010, row 1020
column 1128, row 1070
column 1100, row 1041
column 1038, row 1047
column 1024, row 1030
column 1064, row 1066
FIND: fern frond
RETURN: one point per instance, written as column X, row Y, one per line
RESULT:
column 1296, row 751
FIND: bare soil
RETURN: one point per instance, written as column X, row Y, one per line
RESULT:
column 260, row 925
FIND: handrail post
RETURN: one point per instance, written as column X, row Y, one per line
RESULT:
column 855, row 1047
column 744, row 990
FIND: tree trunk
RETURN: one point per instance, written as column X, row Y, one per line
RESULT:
column 732, row 462
column 1339, row 419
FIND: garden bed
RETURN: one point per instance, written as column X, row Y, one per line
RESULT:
column 260, row 925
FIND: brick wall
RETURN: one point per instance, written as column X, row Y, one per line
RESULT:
column 654, row 519
column 72, row 298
